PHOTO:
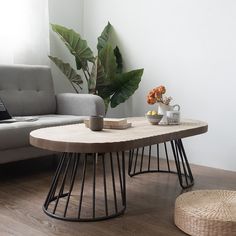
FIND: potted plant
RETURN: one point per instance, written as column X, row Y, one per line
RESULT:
column 106, row 77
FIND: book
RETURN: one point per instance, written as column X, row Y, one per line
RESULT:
column 125, row 126
column 112, row 123
column 115, row 121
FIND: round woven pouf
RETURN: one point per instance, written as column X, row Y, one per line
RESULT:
column 206, row 213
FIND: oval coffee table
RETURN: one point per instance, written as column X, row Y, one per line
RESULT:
column 89, row 192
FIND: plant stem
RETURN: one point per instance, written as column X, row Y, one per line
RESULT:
column 76, row 90
column 87, row 69
column 86, row 77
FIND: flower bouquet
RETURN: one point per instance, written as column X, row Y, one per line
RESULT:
column 156, row 95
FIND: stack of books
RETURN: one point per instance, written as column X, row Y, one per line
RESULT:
column 113, row 123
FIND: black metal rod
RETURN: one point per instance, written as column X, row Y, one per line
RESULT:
column 118, row 165
column 72, row 166
column 130, row 164
column 177, row 159
column 149, row 157
column 186, row 161
column 124, row 180
column 54, row 181
column 136, row 158
column 94, row 184
column 113, row 183
column 167, row 157
column 141, row 164
column 105, row 184
column 131, row 161
column 63, row 184
column 132, row 157
column 69, row 160
column 183, row 163
column 82, row 186
column 158, row 158
column 74, row 171
column 176, row 162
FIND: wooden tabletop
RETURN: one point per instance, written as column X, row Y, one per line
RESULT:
column 78, row 138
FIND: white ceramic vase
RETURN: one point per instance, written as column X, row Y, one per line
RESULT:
column 162, row 109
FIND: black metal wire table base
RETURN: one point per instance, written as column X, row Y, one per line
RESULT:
column 183, row 170
column 77, row 195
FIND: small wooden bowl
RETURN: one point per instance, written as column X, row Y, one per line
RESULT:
column 154, row 119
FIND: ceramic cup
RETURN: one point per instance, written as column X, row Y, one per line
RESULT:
column 96, row 123
column 173, row 117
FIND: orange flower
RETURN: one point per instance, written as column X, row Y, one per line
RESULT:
column 151, row 93
column 161, row 89
column 151, row 100
column 158, row 94
column 155, row 95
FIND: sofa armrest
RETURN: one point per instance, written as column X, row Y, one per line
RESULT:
column 80, row 104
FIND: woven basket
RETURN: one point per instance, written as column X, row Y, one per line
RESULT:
column 206, row 213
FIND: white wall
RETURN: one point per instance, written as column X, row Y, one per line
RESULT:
column 24, row 32
column 190, row 47
column 68, row 13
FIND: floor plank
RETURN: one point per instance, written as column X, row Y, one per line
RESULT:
column 150, row 202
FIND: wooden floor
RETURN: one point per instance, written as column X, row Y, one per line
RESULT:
column 150, row 202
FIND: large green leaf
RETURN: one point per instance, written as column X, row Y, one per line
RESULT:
column 119, row 60
column 68, row 71
column 124, row 86
column 105, row 89
column 97, row 76
column 76, row 45
column 104, row 37
column 108, row 61
column 102, row 42
column 106, row 102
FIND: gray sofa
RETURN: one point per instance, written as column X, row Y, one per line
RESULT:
column 28, row 91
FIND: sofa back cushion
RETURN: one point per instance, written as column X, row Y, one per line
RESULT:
column 27, row 90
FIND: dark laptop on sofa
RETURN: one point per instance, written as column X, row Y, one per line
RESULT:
column 5, row 117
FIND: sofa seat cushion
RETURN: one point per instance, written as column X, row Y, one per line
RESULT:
column 15, row 135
